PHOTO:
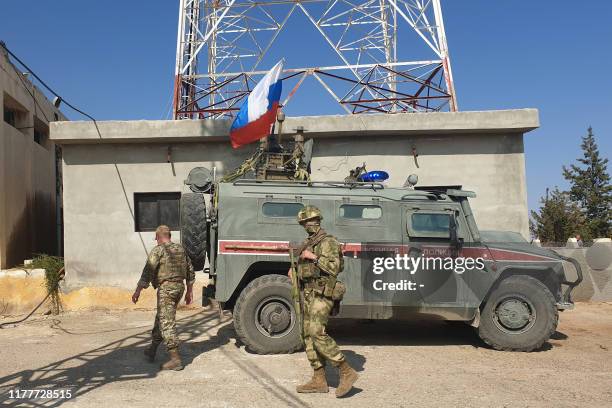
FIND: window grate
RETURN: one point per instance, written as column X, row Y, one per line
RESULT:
column 154, row 209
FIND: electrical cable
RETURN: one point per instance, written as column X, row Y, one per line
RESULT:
column 3, row 45
column 16, row 58
column 28, row 316
column 336, row 166
column 62, row 273
column 19, row 75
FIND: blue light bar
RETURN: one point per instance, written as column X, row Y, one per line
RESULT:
column 374, row 176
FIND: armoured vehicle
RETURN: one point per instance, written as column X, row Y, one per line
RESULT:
column 408, row 252
column 511, row 291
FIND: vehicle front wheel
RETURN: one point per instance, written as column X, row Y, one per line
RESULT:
column 264, row 316
column 520, row 315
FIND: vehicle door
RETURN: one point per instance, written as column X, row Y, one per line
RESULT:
column 435, row 267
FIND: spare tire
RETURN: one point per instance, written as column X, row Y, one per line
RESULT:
column 194, row 229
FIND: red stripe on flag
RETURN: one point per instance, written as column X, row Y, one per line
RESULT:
column 253, row 131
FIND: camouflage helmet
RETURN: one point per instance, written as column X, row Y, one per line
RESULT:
column 308, row 213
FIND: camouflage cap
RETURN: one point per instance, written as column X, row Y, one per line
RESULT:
column 308, row 213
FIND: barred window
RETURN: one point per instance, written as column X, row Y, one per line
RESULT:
column 154, row 209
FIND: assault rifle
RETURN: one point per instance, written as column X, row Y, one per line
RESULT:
column 296, row 292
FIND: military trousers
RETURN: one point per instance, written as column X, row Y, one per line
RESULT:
column 320, row 347
column 169, row 295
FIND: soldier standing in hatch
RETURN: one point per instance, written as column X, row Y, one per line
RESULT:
column 320, row 262
column 167, row 267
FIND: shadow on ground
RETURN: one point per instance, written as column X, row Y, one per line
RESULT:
column 412, row 333
column 122, row 360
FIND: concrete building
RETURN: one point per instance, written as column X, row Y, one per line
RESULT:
column 114, row 172
column 29, row 169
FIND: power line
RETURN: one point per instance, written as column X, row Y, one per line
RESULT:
column 3, row 45
column 16, row 58
column 19, row 75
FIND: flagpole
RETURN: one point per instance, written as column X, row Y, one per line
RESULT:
column 280, row 116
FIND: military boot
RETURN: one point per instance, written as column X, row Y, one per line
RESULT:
column 150, row 352
column 348, row 376
column 318, row 383
column 174, row 363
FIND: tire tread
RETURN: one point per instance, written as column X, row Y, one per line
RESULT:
column 552, row 319
column 194, row 231
column 239, row 326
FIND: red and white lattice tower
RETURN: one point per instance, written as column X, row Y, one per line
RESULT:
column 222, row 43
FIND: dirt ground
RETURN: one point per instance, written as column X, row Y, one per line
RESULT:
column 97, row 355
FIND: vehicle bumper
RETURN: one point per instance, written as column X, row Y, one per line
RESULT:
column 566, row 302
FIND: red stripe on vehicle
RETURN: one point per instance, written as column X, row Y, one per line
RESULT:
column 254, row 247
column 508, row 255
column 354, row 248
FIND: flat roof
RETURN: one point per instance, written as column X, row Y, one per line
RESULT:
column 213, row 130
column 336, row 188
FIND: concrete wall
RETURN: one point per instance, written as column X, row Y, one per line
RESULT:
column 27, row 171
column 105, row 166
column 596, row 264
column 21, row 291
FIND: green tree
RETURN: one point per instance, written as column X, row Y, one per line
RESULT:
column 557, row 219
column 590, row 187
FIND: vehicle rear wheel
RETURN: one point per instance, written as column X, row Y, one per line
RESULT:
column 264, row 316
column 194, row 231
column 520, row 315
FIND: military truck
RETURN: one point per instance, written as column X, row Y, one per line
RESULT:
column 512, row 297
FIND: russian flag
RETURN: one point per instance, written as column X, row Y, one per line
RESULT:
column 258, row 113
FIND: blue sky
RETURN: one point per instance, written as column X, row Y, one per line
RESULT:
column 115, row 60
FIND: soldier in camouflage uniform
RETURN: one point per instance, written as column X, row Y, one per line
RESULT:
column 167, row 267
column 319, row 264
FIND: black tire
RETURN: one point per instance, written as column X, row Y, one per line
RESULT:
column 518, row 300
column 269, row 292
column 194, row 231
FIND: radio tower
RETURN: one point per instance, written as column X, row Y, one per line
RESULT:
column 221, row 44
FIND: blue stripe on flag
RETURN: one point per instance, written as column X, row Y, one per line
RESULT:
column 243, row 116
column 274, row 93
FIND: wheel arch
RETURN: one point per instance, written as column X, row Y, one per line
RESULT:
column 546, row 275
column 254, row 271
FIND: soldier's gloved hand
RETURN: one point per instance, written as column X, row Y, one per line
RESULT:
column 327, row 292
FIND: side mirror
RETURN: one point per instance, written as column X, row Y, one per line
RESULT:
column 454, row 238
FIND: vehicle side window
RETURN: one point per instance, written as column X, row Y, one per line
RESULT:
column 360, row 212
column 281, row 210
column 436, row 223
column 430, row 224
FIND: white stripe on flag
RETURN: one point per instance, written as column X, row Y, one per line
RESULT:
column 258, row 98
